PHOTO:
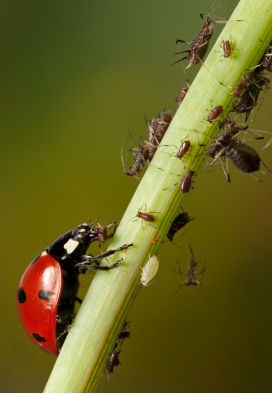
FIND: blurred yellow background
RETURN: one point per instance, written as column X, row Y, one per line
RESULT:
column 78, row 79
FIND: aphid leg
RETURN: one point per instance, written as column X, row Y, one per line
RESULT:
column 268, row 169
column 225, row 168
column 269, row 142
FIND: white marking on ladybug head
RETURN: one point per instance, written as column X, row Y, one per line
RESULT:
column 71, row 245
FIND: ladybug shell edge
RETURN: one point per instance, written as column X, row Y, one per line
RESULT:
column 39, row 294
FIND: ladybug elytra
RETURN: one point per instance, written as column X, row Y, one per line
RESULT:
column 47, row 291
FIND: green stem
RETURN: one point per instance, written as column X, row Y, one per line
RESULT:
column 82, row 360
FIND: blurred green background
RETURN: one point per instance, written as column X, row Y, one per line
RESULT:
column 77, row 80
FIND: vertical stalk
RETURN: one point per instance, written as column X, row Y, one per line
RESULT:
column 82, row 360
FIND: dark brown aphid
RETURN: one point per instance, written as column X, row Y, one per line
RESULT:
column 227, row 48
column 185, row 146
column 192, row 277
column 198, row 47
column 214, row 113
column 247, row 101
column 123, row 335
column 186, row 182
column 243, row 156
column 179, row 222
column 243, row 84
column 105, row 232
column 247, row 91
column 112, row 361
column 113, row 358
column 146, row 216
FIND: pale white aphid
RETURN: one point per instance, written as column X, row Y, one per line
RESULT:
column 149, row 270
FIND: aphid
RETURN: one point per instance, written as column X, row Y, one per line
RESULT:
column 123, row 335
column 198, row 47
column 146, row 216
column 185, row 146
column 113, row 358
column 179, row 222
column 243, row 156
column 246, row 102
column 191, row 276
column 243, row 84
column 180, row 97
column 247, row 91
column 266, row 61
column 227, row 48
column 112, row 361
column 186, row 182
column 149, row 271
column 141, row 158
column 214, row 113
column 103, row 233
column 157, row 127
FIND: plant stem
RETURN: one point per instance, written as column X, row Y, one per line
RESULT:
column 82, row 360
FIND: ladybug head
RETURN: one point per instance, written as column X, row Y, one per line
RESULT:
column 85, row 233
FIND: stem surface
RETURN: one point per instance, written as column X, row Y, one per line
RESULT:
column 82, row 360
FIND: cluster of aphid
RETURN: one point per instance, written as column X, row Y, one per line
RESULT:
column 225, row 145
column 48, row 289
column 113, row 357
column 244, row 157
column 156, row 128
column 246, row 94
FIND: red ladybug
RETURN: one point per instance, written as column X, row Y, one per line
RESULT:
column 48, row 289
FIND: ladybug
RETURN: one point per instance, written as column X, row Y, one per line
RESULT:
column 47, row 291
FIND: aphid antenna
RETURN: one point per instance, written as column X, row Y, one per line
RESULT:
column 218, row 19
column 269, row 142
column 187, row 84
column 122, row 160
column 215, row 79
column 268, row 169
column 153, row 145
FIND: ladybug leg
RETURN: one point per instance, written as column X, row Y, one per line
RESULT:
column 92, row 262
column 94, row 265
column 79, row 300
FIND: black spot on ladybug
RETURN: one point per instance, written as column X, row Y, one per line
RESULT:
column 21, row 296
column 44, row 295
column 38, row 337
